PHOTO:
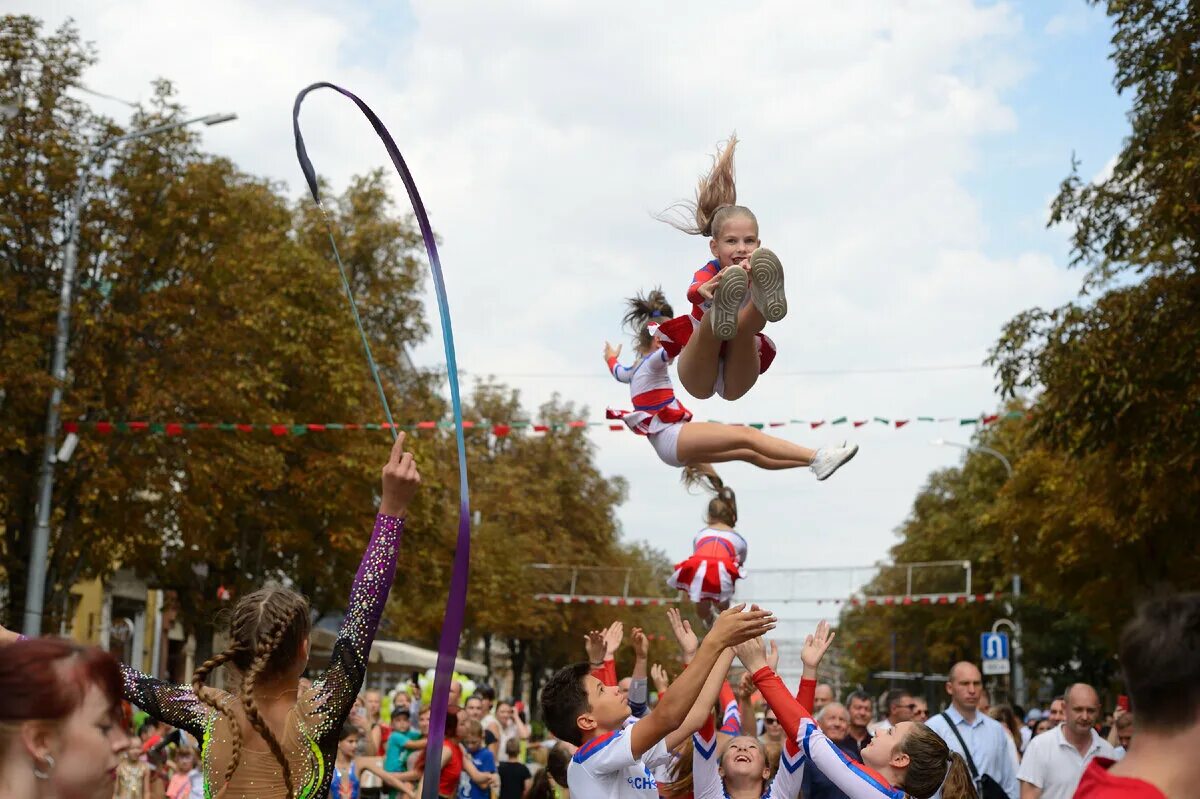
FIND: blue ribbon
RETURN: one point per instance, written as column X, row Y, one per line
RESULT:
column 457, row 600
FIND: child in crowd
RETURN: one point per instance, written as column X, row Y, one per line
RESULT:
column 345, row 775
column 471, row 734
column 515, row 776
column 186, row 782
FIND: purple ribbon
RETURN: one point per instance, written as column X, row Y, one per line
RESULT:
column 456, row 602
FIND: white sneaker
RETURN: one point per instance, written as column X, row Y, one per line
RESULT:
column 727, row 302
column 766, row 284
column 829, row 459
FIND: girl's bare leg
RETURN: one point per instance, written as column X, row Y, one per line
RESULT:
column 710, row 442
column 741, row 356
column 699, row 361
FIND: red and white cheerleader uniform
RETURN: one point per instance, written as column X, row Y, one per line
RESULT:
column 675, row 333
column 656, row 413
column 716, row 563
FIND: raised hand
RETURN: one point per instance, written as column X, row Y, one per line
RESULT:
column 659, row 675
column 745, row 687
column 816, row 645
column 752, row 653
column 400, row 480
column 611, row 352
column 641, row 644
column 739, row 624
column 593, row 642
column 613, row 637
column 688, row 642
column 772, row 653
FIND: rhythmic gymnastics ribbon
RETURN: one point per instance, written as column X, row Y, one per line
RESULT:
column 457, row 598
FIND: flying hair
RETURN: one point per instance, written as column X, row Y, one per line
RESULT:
column 644, row 309
column 716, row 198
column 723, row 506
column 267, row 628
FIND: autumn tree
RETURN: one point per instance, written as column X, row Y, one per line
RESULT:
column 204, row 294
column 1103, row 499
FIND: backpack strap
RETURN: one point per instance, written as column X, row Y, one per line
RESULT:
column 963, row 744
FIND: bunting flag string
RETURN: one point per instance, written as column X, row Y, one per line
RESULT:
column 499, row 429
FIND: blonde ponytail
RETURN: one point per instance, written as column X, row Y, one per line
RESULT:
column 716, row 198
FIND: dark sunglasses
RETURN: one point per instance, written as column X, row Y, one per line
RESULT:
column 770, row 721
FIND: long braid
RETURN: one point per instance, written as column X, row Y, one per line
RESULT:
column 207, row 698
column 266, row 649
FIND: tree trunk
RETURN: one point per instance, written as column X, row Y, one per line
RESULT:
column 516, row 651
column 535, row 684
column 487, row 654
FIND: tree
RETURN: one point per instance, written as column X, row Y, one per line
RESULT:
column 1106, row 471
column 203, row 296
column 1112, row 467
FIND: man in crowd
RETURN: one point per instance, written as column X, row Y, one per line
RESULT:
column 921, row 711
column 1054, row 762
column 900, row 706
column 859, row 707
column 822, row 697
column 834, row 721
column 1058, row 712
column 979, row 738
column 1160, row 658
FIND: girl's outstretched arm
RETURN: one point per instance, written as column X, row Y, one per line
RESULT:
column 622, row 373
column 368, row 594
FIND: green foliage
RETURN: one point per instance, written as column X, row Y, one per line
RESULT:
column 205, row 294
column 1103, row 500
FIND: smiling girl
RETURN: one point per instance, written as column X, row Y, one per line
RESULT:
column 721, row 345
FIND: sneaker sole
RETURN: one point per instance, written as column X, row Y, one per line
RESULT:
column 727, row 303
column 847, row 459
column 766, row 284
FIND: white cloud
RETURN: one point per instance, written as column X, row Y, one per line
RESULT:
column 541, row 134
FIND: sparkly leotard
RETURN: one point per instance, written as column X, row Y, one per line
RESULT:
column 310, row 737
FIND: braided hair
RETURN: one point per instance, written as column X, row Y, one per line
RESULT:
column 267, row 629
column 715, row 201
column 723, row 506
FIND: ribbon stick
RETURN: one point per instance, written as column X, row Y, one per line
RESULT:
column 457, row 598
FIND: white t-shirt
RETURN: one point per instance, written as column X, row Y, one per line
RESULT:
column 1053, row 764
column 605, row 768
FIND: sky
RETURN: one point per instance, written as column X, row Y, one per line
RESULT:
column 900, row 157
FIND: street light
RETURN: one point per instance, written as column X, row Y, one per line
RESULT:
column 36, row 585
column 1018, row 672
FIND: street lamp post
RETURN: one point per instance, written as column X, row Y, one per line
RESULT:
column 1018, row 671
column 36, row 585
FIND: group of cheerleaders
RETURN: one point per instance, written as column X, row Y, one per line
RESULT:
column 721, row 349
column 715, row 753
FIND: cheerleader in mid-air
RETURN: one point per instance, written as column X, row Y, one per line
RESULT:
column 718, row 551
column 679, row 441
column 721, row 345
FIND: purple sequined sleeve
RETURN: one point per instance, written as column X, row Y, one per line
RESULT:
column 175, row 704
column 368, row 595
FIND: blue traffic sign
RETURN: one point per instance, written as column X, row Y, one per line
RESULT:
column 994, row 646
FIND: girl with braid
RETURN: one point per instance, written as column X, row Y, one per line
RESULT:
column 270, row 739
column 679, row 441
column 721, row 345
column 718, row 551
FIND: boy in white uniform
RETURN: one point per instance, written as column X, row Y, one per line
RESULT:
column 614, row 761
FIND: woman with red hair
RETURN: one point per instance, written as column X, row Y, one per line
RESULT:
column 60, row 719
